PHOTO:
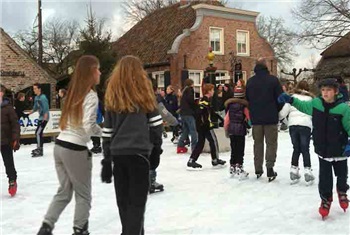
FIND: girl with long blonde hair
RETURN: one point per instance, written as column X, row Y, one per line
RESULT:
column 72, row 157
column 132, row 127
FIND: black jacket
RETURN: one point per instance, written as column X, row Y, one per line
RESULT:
column 187, row 104
column 10, row 129
column 262, row 92
column 171, row 103
column 204, row 114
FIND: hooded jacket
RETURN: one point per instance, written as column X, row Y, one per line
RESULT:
column 262, row 93
column 236, row 117
column 10, row 129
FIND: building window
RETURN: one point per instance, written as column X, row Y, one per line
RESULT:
column 222, row 77
column 216, row 38
column 243, row 42
column 244, row 75
column 196, row 76
column 159, row 77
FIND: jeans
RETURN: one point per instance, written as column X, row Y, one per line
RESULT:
column 300, row 136
column 188, row 127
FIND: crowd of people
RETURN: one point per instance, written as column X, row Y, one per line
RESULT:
column 131, row 153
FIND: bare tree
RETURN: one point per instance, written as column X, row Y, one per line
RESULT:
column 136, row 10
column 28, row 40
column 279, row 37
column 322, row 22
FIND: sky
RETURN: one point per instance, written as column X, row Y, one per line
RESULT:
column 19, row 15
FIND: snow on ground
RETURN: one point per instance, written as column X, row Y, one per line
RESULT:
column 194, row 202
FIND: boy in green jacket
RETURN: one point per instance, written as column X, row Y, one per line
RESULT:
column 331, row 131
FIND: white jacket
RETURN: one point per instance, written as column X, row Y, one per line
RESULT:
column 82, row 134
column 296, row 118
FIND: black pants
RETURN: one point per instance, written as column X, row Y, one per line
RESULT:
column 300, row 136
column 325, row 185
column 131, row 183
column 213, row 143
column 7, row 156
column 96, row 141
column 237, row 149
column 39, row 133
column 154, row 159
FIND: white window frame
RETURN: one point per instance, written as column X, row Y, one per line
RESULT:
column 222, row 51
column 247, row 42
column 244, row 76
column 222, row 80
column 157, row 75
column 197, row 85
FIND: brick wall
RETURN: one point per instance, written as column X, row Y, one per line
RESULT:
column 13, row 58
column 196, row 48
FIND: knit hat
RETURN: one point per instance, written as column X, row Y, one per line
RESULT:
column 238, row 92
column 328, row 82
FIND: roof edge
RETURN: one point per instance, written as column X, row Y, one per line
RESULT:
column 225, row 9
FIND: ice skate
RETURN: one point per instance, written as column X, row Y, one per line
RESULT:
column 218, row 163
column 325, row 207
column 38, row 153
column 182, row 150
column 12, row 188
column 81, row 231
column 294, row 174
column 242, row 174
column 343, row 200
column 259, row 174
column 233, row 170
column 96, row 149
column 45, row 230
column 309, row 177
column 271, row 174
column 192, row 165
column 155, row 186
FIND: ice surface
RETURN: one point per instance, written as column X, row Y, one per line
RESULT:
column 194, row 202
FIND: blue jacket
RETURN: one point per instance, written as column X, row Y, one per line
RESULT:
column 41, row 104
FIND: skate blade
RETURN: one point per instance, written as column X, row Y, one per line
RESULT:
column 194, row 169
column 242, row 178
column 272, row 178
column 156, row 191
column 294, row 181
column 309, row 183
column 219, row 166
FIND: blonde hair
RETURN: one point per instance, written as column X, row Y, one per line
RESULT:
column 129, row 88
column 207, row 87
column 81, row 83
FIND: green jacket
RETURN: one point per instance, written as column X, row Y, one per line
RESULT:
column 331, row 125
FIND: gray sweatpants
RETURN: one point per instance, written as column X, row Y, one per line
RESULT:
column 74, row 174
column 270, row 134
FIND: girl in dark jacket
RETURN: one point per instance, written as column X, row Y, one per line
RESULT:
column 10, row 134
column 236, row 124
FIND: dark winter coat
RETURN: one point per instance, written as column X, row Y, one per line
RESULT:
column 344, row 91
column 10, row 130
column 331, row 125
column 171, row 103
column 262, row 92
column 237, row 124
column 20, row 106
column 187, row 104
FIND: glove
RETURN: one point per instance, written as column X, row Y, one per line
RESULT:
column 285, row 98
column 106, row 173
column 15, row 145
column 347, row 150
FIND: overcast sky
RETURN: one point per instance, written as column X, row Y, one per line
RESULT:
column 17, row 15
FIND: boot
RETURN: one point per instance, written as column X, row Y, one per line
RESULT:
column 241, row 172
column 325, row 207
column 81, row 231
column 343, row 200
column 233, row 169
column 294, row 174
column 155, row 186
column 309, row 177
column 38, row 153
column 271, row 174
column 12, row 187
column 259, row 174
column 45, row 229
column 218, row 162
column 191, row 164
column 182, row 150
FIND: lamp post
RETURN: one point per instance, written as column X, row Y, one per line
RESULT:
column 296, row 74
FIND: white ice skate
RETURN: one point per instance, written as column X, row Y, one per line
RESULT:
column 241, row 173
column 309, row 177
column 294, row 174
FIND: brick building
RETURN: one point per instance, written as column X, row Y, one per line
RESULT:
column 19, row 71
column 173, row 42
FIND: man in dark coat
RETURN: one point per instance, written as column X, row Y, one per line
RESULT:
column 262, row 92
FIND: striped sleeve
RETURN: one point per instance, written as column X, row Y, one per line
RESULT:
column 107, row 132
column 155, row 120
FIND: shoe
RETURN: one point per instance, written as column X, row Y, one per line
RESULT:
column 294, row 174
column 182, row 150
column 271, row 174
column 38, row 153
column 218, row 162
column 96, row 149
column 191, row 164
column 343, row 200
column 325, row 207
column 12, row 187
column 309, row 177
column 45, row 229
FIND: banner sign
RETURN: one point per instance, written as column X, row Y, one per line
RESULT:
column 29, row 125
